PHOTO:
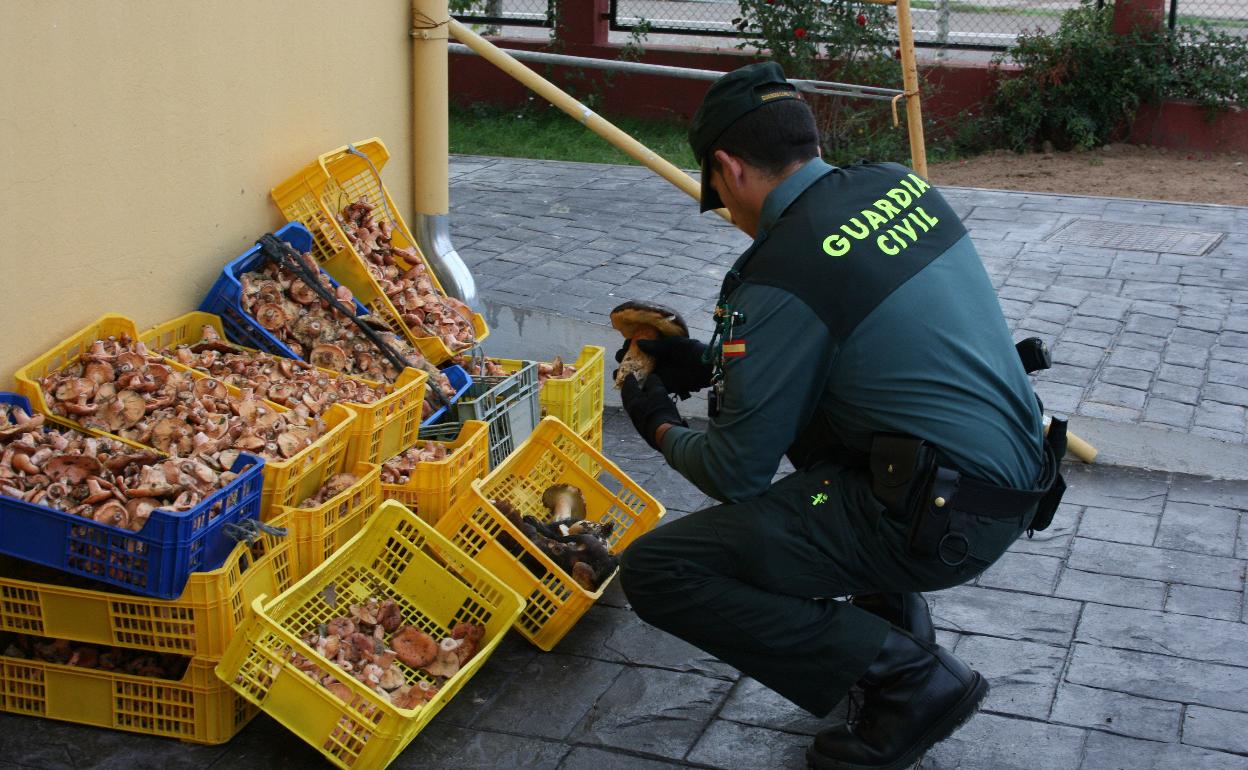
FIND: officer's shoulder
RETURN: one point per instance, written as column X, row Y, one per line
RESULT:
column 868, row 168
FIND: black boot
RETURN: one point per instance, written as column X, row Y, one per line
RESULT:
column 907, row 611
column 915, row 695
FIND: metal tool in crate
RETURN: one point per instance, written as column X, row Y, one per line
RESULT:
column 285, row 256
column 317, row 196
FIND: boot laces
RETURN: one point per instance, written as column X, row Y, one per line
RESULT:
column 856, row 713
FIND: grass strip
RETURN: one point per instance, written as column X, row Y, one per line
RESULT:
column 547, row 134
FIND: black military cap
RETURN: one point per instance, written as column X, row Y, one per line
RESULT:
column 731, row 98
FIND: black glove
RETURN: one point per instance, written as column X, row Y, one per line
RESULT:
column 649, row 406
column 677, row 361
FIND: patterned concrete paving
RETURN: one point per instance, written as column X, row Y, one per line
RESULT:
column 1152, row 338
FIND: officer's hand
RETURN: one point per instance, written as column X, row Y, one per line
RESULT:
column 649, row 406
column 677, row 361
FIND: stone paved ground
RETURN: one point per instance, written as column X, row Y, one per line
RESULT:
column 1140, row 337
column 1114, row 640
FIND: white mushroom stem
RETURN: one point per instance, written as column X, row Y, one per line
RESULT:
column 635, row 361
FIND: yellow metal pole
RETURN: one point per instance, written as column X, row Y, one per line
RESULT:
column 430, row 121
column 910, row 84
column 579, row 112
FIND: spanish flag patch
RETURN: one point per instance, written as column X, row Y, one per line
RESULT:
column 734, row 348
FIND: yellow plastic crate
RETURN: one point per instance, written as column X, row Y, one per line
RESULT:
column 577, row 400
column 380, row 430
column 320, row 191
column 320, row 531
column 435, row 487
column 395, row 556
column 200, row 623
column 65, row 353
column 594, row 434
column 198, row 708
column 553, row 454
column 285, row 481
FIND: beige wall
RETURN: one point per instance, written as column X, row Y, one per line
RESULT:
column 139, row 140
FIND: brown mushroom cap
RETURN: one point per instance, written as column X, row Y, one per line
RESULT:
column 99, row 371
column 328, row 356
column 71, row 468
column 133, row 407
column 568, row 493
column 139, row 510
column 210, row 387
column 630, row 317
column 293, row 441
column 167, row 433
column 112, row 513
column 270, row 315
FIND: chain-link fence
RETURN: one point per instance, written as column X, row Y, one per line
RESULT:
column 497, row 13
column 972, row 24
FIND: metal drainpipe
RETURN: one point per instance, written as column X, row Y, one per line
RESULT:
column 431, row 150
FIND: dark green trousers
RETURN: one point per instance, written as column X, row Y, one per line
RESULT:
column 754, row 583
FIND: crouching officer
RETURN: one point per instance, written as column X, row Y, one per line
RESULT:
column 860, row 336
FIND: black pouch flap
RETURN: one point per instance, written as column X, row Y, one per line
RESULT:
column 899, row 466
column 895, row 459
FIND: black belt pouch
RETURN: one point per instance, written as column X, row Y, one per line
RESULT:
column 905, row 478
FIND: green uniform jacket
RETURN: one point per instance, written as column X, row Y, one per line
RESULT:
column 866, row 309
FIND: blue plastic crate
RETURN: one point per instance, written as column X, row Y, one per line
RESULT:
column 157, row 560
column 225, row 298
column 461, row 380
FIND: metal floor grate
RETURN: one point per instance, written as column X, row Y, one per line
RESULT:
column 1136, row 237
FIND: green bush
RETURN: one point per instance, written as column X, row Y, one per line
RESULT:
column 1080, row 86
column 1208, row 66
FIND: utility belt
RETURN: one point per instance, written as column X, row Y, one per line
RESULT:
column 907, row 477
column 908, row 480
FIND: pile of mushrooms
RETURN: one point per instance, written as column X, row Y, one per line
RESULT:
column 479, row 367
column 357, row 644
column 399, row 469
column 116, row 659
column 99, row 478
column 291, row 311
column 638, row 320
column 281, row 380
column 118, row 387
column 336, row 485
column 487, row 367
column 578, row 546
column 422, row 308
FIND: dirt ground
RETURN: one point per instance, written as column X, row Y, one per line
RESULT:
column 1119, row 170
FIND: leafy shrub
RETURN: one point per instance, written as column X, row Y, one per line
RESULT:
column 1081, row 85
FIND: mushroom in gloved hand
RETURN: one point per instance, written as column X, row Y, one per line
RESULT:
column 638, row 320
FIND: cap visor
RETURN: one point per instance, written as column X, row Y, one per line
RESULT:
column 710, row 198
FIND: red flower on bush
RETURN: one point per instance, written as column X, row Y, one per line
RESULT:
column 799, row 33
column 862, row 20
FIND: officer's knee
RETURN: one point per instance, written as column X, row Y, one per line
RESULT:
column 644, row 573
